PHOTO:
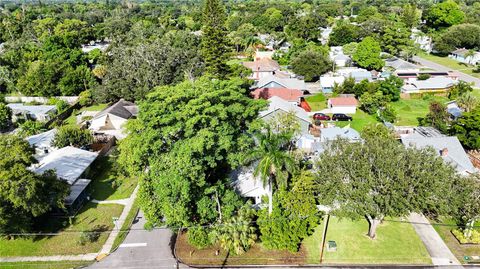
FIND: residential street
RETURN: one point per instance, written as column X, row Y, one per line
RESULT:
column 440, row 67
column 141, row 249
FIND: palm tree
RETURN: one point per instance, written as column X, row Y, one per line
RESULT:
column 468, row 102
column 237, row 235
column 273, row 160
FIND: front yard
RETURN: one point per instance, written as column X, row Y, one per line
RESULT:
column 92, row 217
column 459, row 250
column 396, row 243
column 45, row 265
column 450, row 63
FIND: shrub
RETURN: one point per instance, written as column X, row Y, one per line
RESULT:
column 72, row 136
column 88, row 237
column 474, row 238
column 423, row 76
column 199, row 237
column 387, row 114
column 85, row 98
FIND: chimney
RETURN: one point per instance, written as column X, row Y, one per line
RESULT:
column 444, row 152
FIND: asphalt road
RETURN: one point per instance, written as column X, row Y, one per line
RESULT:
column 141, row 250
column 442, row 68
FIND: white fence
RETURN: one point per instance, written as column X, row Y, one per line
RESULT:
column 37, row 99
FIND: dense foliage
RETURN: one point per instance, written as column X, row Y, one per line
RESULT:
column 72, row 136
column 24, row 195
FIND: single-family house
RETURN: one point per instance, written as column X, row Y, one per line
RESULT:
column 39, row 113
column 247, row 185
column 262, row 67
column 327, row 83
column 400, row 65
column 422, row 40
column 43, row 143
column 414, row 75
column 342, row 60
column 71, row 165
column 332, row 133
column 447, row 147
column 346, row 105
column 433, row 84
column 465, row 56
column 291, row 95
column 111, row 120
column 272, row 81
column 277, row 107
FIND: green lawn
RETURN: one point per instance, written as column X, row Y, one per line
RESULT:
column 107, row 183
column 126, row 225
column 450, row 63
column 396, row 243
column 72, row 120
column 459, row 250
column 312, row 245
column 91, row 217
column 44, row 265
column 317, row 102
column 360, row 120
column 409, row 110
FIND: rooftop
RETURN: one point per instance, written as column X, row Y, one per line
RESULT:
column 290, row 95
column 42, row 140
column 332, row 133
column 40, row 109
column 431, row 83
column 123, row 109
column 343, row 101
column 400, row 64
column 290, row 83
column 69, row 163
column 262, row 65
column 448, row 147
column 277, row 103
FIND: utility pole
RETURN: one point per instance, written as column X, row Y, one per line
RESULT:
column 324, row 236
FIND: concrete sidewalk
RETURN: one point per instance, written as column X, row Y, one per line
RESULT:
column 438, row 250
column 107, row 247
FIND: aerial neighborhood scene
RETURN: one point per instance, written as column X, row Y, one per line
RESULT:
column 239, row 133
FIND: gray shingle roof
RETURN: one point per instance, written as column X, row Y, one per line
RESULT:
column 123, row 109
column 276, row 103
column 456, row 154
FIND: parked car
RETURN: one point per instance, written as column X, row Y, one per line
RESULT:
column 341, row 117
column 320, row 116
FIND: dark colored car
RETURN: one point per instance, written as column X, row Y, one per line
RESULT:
column 341, row 117
column 320, row 116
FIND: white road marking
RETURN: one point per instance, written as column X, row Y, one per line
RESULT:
column 133, row 245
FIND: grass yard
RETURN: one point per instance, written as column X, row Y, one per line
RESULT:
column 459, row 250
column 72, row 120
column 107, row 184
column 450, row 63
column 126, row 225
column 44, row 265
column 255, row 255
column 91, row 217
column 312, row 245
column 360, row 120
column 396, row 243
column 409, row 110
column 317, row 102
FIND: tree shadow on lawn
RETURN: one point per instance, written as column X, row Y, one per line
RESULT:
column 102, row 173
column 54, row 224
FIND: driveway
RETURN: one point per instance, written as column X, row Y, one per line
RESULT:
column 442, row 68
column 142, row 249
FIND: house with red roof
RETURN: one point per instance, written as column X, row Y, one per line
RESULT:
column 289, row 89
column 345, row 105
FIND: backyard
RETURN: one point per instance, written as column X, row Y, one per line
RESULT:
column 445, row 232
column 409, row 110
column 396, row 242
column 72, row 120
column 92, row 217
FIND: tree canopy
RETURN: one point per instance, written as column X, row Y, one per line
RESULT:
column 367, row 54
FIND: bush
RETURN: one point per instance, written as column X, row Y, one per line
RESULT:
column 423, row 76
column 88, row 237
column 199, row 237
column 387, row 114
column 474, row 239
column 85, row 98
column 72, row 136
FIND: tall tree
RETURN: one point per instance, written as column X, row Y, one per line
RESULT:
column 367, row 54
column 437, row 116
column 444, row 14
column 188, row 135
column 379, row 177
column 274, row 163
column 24, row 195
column 467, row 129
column 311, row 64
column 215, row 47
column 396, row 38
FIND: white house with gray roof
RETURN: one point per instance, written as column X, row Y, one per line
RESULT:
column 42, row 143
column 277, row 107
column 112, row 119
column 38, row 113
column 433, row 84
column 447, row 147
column 245, row 183
column 272, row 81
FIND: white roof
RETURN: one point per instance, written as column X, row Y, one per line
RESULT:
column 431, row 83
column 34, row 110
column 42, row 140
column 289, row 83
column 277, row 103
column 332, row 133
column 244, row 182
column 328, row 82
column 69, row 163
